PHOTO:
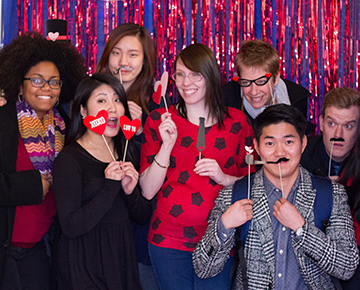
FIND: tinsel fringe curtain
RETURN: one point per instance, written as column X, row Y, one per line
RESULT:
column 318, row 40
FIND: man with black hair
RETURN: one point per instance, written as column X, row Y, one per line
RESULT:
column 284, row 247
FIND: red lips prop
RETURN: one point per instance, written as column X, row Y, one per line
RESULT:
column 160, row 88
column 157, row 95
column 97, row 124
column 128, row 127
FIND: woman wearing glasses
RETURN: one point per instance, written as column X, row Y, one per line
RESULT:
column 35, row 74
column 259, row 85
column 185, row 183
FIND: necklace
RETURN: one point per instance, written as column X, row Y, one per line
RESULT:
column 95, row 148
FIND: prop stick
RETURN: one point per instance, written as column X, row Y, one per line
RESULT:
column 129, row 129
column 119, row 71
column 281, row 183
column 333, row 140
column 200, row 143
column 249, row 160
column 271, row 89
column 160, row 88
column 98, row 125
column 107, row 145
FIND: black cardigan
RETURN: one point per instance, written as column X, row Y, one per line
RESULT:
column 16, row 188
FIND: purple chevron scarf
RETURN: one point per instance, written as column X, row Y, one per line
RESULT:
column 43, row 140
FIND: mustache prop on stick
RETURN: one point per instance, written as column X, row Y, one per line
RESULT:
column 119, row 71
column 249, row 159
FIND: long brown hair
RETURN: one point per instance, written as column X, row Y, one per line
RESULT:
column 140, row 90
column 199, row 58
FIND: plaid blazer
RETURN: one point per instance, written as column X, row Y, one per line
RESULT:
column 318, row 254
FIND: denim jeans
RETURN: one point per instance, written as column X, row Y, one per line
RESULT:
column 174, row 271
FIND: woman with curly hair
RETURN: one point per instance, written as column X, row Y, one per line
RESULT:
column 36, row 75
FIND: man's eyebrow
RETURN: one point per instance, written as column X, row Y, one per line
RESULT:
column 348, row 122
column 285, row 136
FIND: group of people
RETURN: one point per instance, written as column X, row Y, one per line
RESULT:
column 171, row 213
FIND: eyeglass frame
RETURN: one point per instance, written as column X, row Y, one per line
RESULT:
column 46, row 82
column 254, row 81
column 187, row 76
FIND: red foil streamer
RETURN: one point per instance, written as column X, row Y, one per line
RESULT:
column 318, row 40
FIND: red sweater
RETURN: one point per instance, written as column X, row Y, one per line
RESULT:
column 186, row 199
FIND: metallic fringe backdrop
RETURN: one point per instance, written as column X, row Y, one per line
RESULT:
column 318, row 40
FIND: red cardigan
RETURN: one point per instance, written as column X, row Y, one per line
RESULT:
column 31, row 221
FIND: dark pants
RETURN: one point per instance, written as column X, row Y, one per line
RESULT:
column 27, row 269
column 174, row 271
column 353, row 283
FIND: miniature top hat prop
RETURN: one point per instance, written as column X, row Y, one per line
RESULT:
column 56, row 29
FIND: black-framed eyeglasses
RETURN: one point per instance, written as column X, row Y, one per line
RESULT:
column 38, row 82
column 261, row 81
column 193, row 77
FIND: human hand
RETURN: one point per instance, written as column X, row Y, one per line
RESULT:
column 287, row 214
column 46, row 184
column 210, row 167
column 113, row 171
column 3, row 101
column 238, row 214
column 335, row 178
column 131, row 177
column 136, row 113
column 168, row 131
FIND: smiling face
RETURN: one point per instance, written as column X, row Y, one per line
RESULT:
column 257, row 96
column 105, row 98
column 279, row 141
column 193, row 93
column 337, row 123
column 127, row 52
column 42, row 99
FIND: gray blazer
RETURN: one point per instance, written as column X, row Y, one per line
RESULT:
column 318, row 254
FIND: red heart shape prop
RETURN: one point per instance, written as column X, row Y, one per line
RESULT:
column 97, row 124
column 235, row 79
column 157, row 95
column 128, row 127
column 268, row 75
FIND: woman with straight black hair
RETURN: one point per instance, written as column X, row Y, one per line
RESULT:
column 96, row 196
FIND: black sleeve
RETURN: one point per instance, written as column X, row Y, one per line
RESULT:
column 232, row 97
column 20, row 188
column 139, row 207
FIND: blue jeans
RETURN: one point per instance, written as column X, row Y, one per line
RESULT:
column 174, row 271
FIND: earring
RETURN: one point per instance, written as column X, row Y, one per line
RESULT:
column 20, row 98
column 57, row 103
column 82, row 117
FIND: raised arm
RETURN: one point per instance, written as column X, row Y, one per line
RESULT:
column 156, row 151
